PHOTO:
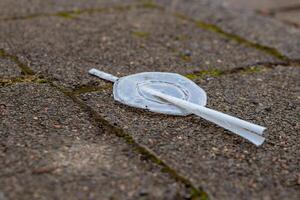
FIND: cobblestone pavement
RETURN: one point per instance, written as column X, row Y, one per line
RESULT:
column 63, row 137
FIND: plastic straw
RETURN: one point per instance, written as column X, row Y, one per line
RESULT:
column 247, row 130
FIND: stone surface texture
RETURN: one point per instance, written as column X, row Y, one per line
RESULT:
column 245, row 23
column 48, row 144
column 292, row 17
column 23, row 8
column 62, row 136
column 262, row 4
column 121, row 42
column 194, row 145
column 8, row 69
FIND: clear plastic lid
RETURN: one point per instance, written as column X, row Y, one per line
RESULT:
column 128, row 90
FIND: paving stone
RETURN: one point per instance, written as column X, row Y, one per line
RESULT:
column 247, row 24
column 22, row 8
column 225, row 165
column 121, row 43
column 50, row 149
column 263, row 5
column 8, row 69
column 291, row 17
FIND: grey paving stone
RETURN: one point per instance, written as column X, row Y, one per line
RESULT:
column 247, row 24
column 23, row 8
column 263, row 5
column 8, row 69
column 122, row 43
column 50, row 149
column 226, row 166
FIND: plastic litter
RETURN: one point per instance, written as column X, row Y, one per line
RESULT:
column 173, row 94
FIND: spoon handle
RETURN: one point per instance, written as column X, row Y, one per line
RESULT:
column 247, row 130
column 103, row 75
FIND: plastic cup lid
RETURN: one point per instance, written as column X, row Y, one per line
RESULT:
column 127, row 90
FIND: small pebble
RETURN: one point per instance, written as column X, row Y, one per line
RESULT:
column 187, row 53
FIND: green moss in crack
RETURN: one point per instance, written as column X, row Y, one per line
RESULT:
column 269, row 50
column 192, row 76
column 22, row 79
column 151, row 5
column 181, row 37
column 254, row 69
column 181, row 16
column 211, row 27
column 41, row 81
column 201, row 74
column 24, row 68
column 66, row 15
column 70, row 14
column 196, row 193
column 2, row 53
column 185, row 57
column 140, row 34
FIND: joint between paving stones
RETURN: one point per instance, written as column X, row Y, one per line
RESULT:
column 22, row 79
column 25, row 70
column 246, row 70
column 83, row 89
column 195, row 192
column 151, row 5
column 29, row 76
column 233, row 37
column 71, row 14
column 250, row 69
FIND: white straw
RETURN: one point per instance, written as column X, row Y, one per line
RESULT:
column 103, row 75
column 247, row 130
